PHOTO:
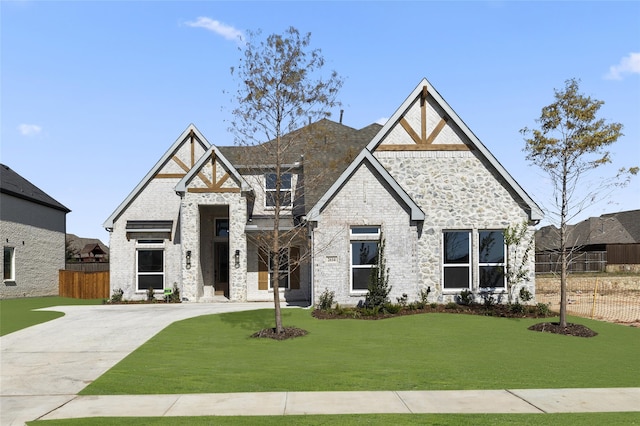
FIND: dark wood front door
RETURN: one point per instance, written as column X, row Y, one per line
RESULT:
column 221, row 268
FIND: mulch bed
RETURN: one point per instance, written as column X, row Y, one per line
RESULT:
column 289, row 333
column 571, row 329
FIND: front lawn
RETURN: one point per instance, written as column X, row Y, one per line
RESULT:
column 16, row 314
column 577, row 419
column 419, row 352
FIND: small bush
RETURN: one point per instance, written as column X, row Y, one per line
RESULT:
column 433, row 305
column 392, row 308
column 466, row 297
column 117, row 296
column 516, row 308
column 543, row 309
column 402, row 301
column 326, row 299
column 451, row 305
column 175, row 295
column 150, row 294
column 525, row 294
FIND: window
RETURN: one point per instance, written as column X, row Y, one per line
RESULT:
column 285, row 190
column 491, row 259
column 150, row 269
column 457, row 259
column 283, row 269
column 364, row 255
column 9, row 263
column 222, row 228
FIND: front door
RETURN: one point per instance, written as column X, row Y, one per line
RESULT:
column 221, row 268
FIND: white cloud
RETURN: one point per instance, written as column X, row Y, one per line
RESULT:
column 226, row 31
column 382, row 120
column 628, row 65
column 29, row 129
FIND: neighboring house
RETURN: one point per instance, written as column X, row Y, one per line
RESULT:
column 423, row 182
column 609, row 242
column 32, row 228
column 86, row 250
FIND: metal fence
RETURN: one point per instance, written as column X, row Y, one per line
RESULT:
column 593, row 261
column 601, row 298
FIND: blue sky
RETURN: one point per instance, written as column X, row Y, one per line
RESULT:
column 93, row 93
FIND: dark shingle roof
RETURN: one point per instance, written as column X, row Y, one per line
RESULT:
column 325, row 149
column 610, row 228
column 12, row 183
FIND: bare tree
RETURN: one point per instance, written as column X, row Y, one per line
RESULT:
column 570, row 142
column 280, row 89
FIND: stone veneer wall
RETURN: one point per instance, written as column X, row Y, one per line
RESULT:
column 158, row 201
column 457, row 191
column 192, row 283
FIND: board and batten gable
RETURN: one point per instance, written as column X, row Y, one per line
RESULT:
column 153, row 199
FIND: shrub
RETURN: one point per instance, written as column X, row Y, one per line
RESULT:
column 543, row 309
column 516, row 308
column 525, row 294
column 451, row 305
column 117, row 296
column 402, row 301
column 150, row 294
column 392, row 308
column 465, row 297
column 326, row 299
column 174, row 297
column 379, row 287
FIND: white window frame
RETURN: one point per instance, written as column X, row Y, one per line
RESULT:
column 493, row 264
column 282, row 190
column 357, row 235
column 468, row 265
column 12, row 264
column 152, row 245
column 286, row 270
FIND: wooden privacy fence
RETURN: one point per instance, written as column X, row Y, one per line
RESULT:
column 83, row 285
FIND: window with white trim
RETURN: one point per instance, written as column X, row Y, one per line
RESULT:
column 457, row 260
column 491, row 259
column 270, row 190
column 9, row 264
column 150, row 269
column 283, row 269
column 365, row 242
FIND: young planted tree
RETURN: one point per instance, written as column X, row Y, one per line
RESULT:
column 281, row 89
column 571, row 142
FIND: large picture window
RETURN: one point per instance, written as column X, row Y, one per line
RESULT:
column 285, row 190
column 150, row 269
column 9, row 264
column 365, row 242
column 457, row 260
column 491, row 264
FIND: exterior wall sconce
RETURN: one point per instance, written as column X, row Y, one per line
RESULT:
column 188, row 259
column 237, row 258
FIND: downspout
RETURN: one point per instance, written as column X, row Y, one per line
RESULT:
column 311, row 265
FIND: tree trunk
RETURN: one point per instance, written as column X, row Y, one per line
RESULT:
column 563, row 249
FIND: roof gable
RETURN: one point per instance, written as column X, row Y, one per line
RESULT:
column 365, row 156
column 207, row 176
column 425, row 121
column 176, row 163
column 11, row 183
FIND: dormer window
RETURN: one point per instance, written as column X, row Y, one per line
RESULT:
column 285, row 190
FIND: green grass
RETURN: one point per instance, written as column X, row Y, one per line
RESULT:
column 431, row 351
column 16, row 314
column 577, row 419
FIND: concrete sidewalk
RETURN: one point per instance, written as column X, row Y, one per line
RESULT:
column 401, row 402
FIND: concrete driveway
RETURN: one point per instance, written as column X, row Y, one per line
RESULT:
column 45, row 366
